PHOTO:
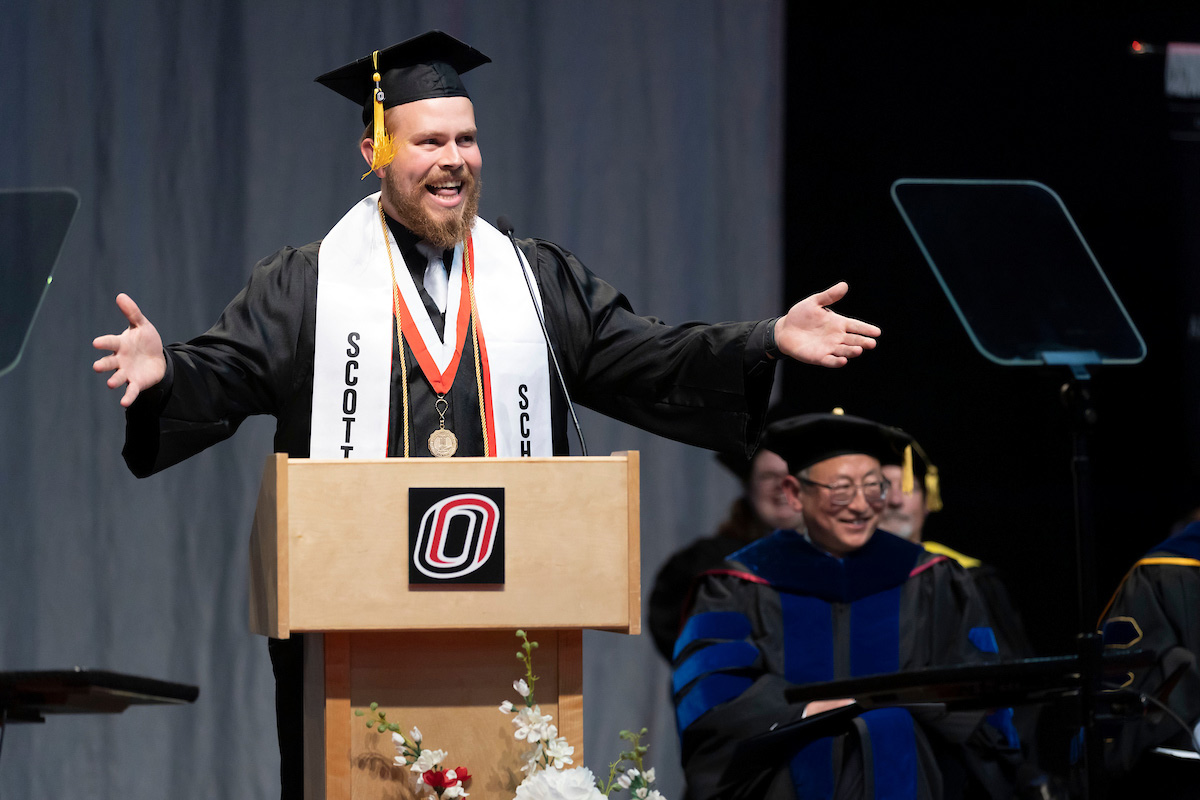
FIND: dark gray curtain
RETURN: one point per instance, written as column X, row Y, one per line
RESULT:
column 644, row 136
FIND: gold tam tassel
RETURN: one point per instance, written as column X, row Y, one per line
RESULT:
column 906, row 478
column 384, row 149
column 933, row 490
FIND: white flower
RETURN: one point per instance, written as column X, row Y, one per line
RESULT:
column 415, row 734
column 398, row 741
column 531, row 725
column 506, row 707
column 558, row 751
column 457, row 791
column 551, row 784
column 428, row 760
column 650, row 775
column 654, row 795
column 522, row 687
column 641, row 793
column 623, row 781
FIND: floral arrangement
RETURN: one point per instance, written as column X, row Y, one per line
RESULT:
column 427, row 764
column 545, row 763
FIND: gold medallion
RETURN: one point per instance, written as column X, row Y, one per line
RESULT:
column 442, row 443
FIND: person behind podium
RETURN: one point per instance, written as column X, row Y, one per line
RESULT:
column 905, row 513
column 409, row 330
column 1157, row 608
column 832, row 603
column 762, row 508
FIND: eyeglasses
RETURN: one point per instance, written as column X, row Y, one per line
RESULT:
column 843, row 493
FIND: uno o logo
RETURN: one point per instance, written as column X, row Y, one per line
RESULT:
column 479, row 515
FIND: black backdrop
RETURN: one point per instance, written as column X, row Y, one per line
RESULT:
column 1046, row 96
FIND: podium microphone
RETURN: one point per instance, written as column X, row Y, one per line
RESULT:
column 506, row 227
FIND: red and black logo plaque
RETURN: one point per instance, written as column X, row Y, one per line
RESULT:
column 456, row 536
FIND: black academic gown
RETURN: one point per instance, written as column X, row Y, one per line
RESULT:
column 1157, row 608
column 706, row 385
column 781, row 613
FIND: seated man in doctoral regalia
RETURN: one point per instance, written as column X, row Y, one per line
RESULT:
column 1157, row 608
column 835, row 602
column 909, row 503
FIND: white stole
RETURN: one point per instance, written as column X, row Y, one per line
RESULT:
column 352, row 360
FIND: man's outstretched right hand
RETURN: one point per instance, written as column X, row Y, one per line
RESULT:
column 137, row 353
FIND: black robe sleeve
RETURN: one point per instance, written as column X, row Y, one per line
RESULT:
column 706, row 385
column 257, row 359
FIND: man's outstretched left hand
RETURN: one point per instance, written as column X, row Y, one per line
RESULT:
column 814, row 333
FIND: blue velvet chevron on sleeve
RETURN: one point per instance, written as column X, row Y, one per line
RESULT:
column 714, row 671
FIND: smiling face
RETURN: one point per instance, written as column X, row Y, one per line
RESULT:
column 764, row 490
column 432, row 185
column 838, row 530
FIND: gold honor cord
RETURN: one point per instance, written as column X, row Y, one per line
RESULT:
column 468, row 265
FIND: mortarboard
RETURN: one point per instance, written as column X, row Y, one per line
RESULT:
column 809, row 438
column 425, row 66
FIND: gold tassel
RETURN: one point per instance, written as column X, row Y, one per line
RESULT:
column 933, row 489
column 933, row 485
column 384, row 148
column 906, row 479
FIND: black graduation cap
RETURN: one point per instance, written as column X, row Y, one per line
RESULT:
column 804, row 440
column 429, row 65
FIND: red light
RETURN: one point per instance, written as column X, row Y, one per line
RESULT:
column 1136, row 46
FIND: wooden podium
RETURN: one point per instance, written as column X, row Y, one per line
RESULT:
column 329, row 557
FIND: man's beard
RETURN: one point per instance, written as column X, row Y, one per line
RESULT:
column 900, row 524
column 448, row 230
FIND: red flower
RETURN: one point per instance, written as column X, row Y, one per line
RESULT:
column 440, row 779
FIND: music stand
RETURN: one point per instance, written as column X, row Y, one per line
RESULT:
column 33, row 226
column 29, row 696
column 1029, row 292
column 930, row 694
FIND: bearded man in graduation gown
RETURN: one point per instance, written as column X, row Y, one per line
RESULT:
column 835, row 602
column 1157, row 608
column 414, row 328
